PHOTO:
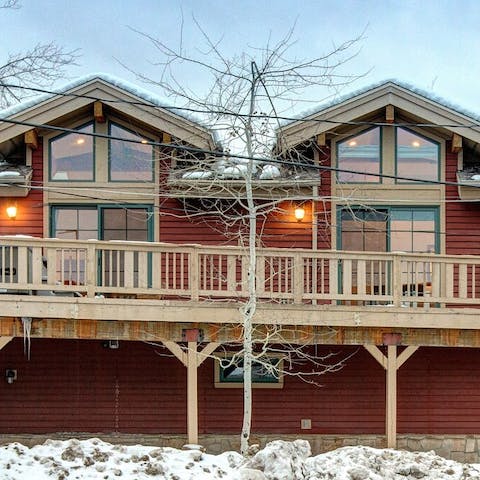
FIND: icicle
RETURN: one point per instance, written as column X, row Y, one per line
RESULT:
column 27, row 327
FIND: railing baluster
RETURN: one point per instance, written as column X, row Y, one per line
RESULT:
column 194, row 273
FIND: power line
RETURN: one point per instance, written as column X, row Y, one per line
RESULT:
column 260, row 116
column 220, row 154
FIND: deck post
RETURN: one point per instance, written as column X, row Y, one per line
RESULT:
column 192, row 393
column 191, row 359
column 391, row 397
column 391, row 363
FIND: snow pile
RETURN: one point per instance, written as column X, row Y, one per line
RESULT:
column 365, row 463
column 95, row 459
column 280, row 460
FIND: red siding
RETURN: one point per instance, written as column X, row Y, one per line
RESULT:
column 82, row 386
column 29, row 219
column 349, row 401
column 438, row 392
column 278, row 228
column 462, row 218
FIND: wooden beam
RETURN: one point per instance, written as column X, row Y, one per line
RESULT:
column 391, row 397
column 177, row 351
column 405, row 355
column 192, row 393
column 322, row 139
column 4, row 341
column 391, row 363
column 206, row 352
column 377, row 355
column 166, row 138
column 98, row 112
column 31, row 139
column 456, row 143
column 389, row 113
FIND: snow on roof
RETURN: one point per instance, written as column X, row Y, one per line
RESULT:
column 317, row 109
column 145, row 95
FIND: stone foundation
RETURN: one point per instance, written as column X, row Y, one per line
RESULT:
column 462, row 448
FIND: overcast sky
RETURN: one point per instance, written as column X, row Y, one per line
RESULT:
column 432, row 44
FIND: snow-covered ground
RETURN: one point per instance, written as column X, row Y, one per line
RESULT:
column 279, row 460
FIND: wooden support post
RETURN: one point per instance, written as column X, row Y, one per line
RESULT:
column 391, row 397
column 191, row 359
column 391, row 363
column 192, row 393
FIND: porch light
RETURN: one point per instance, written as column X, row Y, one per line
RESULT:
column 299, row 213
column 12, row 211
column 10, row 375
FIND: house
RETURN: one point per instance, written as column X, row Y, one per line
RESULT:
column 120, row 283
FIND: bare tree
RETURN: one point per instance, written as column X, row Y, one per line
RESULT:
column 39, row 66
column 246, row 96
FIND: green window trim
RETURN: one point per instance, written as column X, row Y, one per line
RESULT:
column 434, row 143
column 231, row 375
column 100, row 209
column 135, row 134
column 367, row 153
column 390, row 211
column 64, row 135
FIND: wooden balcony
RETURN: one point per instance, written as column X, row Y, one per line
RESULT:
column 193, row 284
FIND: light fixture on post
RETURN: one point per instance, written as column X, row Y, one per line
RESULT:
column 299, row 213
column 10, row 375
column 11, row 210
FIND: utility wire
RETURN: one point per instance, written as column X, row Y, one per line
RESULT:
column 294, row 119
column 219, row 154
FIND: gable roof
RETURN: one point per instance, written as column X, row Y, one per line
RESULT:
column 123, row 96
column 431, row 109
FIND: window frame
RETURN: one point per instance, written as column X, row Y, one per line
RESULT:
column 219, row 383
column 65, row 134
column 100, row 209
column 109, row 154
column 378, row 175
column 435, row 209
column 439, row 158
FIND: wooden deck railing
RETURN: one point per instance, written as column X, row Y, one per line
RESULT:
column 37, row 266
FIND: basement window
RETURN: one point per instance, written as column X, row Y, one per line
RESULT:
column 266, row 372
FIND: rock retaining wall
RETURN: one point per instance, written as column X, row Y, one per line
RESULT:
column 462, row 448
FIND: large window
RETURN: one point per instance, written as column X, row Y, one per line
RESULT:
column 417, row 157
column 389, row 229
column 129, row 161
column 72, row 157
column 359, row 157
column 103, row 222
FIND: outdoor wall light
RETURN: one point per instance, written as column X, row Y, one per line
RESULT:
column 10, row 375
column 299, row 213
column 112, row 344
column 11, row 211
